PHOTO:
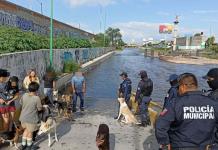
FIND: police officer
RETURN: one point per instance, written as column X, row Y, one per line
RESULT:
column 125, row 90
column 189, row 121
column 143, row 93
column 173, row 91
column 212, row 80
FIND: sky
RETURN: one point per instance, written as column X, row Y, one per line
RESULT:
column 137, row 19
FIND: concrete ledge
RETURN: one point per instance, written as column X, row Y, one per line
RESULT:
column 63, row 81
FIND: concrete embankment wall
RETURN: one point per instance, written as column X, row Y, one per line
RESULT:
column 86, row 67
column 19, row 63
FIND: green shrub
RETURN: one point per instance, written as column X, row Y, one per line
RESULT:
column 70, row 66
column 13, row 39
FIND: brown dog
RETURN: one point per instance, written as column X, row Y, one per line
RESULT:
column 103, row 137
column 18, row 134
column 67, row 99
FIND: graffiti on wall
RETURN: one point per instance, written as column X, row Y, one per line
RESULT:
column 68, row 56
column 24, row 24
column 85, row 55
column 9, row 19
column 77, row 56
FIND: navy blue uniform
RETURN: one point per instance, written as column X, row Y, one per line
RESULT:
column 189, row 121
column 172, row 93
column 126, row 89
column 143, row 93
column 214, row 95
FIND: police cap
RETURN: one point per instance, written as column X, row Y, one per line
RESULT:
column 172, row 77
column 124, row 74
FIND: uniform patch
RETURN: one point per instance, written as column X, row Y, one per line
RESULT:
column 201, row 112
column 164, row 112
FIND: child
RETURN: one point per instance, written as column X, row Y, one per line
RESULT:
column 12, row 89
column 4, row 74
column 31, row 104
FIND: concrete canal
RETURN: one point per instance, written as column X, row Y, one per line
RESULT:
column 101, row 104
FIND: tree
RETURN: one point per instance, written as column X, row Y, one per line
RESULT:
column 210, row 41
column 101, row 40
column 115, row 37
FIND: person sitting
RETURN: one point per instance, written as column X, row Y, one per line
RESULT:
column 31, row 77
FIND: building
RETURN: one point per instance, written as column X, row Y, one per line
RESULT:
column 191, row 43
column 28, row 20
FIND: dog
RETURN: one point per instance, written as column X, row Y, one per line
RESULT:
column 153, row 116
column 48, row 127
column 102, row 138
column 12, row 137
column 55, row 95
column 124, row 110
column 67, row 99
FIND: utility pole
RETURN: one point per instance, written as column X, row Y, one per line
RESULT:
column 40, row 6
column 105, row 18
column 51, row 35
column 176, row 22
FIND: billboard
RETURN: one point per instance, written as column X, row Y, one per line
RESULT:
column 165, row 29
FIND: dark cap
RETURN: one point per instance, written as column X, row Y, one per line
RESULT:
column 172, row 77
column 143, row 74
column 124, row 74
column 212, row 73
column 4, row 73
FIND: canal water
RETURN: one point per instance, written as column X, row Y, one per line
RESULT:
column 104, row 80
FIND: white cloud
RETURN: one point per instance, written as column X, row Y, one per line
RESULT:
column 205, row 11
column 136, row 31
column 75, row 3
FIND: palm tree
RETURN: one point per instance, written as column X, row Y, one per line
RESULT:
column 114, row 35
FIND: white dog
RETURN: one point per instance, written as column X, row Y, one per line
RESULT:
column 55, row 95
column 124, row 110
column 48, row 127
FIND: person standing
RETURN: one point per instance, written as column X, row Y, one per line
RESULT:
column 12, row 89
column 79, row 89
column 31, row 105
column 143, row 93
column 188, row 123
column 173, row 91
column 4, row 75
column 49, row 84
column 125, row 88
column 212, row 80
